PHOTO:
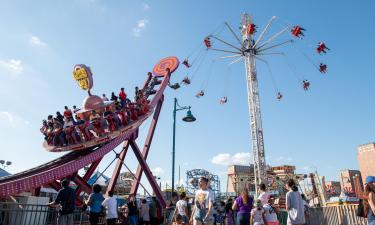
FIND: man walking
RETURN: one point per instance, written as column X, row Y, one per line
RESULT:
column 65, row 198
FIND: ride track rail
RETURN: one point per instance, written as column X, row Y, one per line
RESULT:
column 72, row 162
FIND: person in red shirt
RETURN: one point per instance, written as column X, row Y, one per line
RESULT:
column 122, row 96
column 68, row 113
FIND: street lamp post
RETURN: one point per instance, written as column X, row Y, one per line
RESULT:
column 188, row 118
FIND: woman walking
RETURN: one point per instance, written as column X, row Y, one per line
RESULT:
column 370, row 193
column 294, row 204
column 203, row 205
column 243, row 204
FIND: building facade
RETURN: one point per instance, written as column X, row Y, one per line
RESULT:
column 240, row 177
column 366, row 160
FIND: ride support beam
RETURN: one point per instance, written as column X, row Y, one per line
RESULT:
column 146, row 148
column 82, row 184
column 55, row 185
column 116, row 171
column 148, row 173
column 88, row 174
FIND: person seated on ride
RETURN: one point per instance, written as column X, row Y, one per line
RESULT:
column 114, row 97
column 174, row 86
column 297, row 31
column 121, row 114
column 60, row 117
column 50, row 134
column 83, row 128
column 186, row 63
column 71, row 134
column 133, row 111
column 200, row 94
column 322, row 68
column 96, row 122
column 279, row 96
column 322, row 48
column 223, row 100
column 186, row 81
column 75, row 109
column 306, row 85
column 68, row 113
column 59, row 134
column 44, row 129
column 207, row 42
column 109, row 117
column 251, row 29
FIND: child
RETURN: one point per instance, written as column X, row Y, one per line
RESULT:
column 229, row 212
column 178, row 220
column 257, row 214
column 270, row 215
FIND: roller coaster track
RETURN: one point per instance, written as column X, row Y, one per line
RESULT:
column 72, row 162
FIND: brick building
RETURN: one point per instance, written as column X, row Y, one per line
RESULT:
column 366, row 160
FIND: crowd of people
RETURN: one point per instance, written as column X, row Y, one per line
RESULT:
column 73, row 127
column 243, row 210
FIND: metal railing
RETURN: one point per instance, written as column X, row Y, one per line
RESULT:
column 29, row 214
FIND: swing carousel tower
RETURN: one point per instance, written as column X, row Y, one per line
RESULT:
column 250, row 50
column 253, row 104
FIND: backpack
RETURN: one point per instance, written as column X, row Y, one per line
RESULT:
column 361, row 209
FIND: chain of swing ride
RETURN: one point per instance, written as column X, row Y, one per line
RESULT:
column 250, row 49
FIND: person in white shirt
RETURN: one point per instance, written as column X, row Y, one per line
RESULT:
column 144, row 213
column 181, row 208
column 263, row 194
column 110, row 203
column 203, row 204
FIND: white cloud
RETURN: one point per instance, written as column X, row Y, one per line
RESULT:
column 283, row 159
column 13, row 66
column 157, row 171
column 242, row 158
column 12, row 119
column 34, row 40
column 146, row 6
column 225, row 159
column 141, row 25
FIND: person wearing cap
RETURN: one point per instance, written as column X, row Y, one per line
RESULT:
column 370, row 193
column 203, row 204
column 66, row 199
column 270, row 212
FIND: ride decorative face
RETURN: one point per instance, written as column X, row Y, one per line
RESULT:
column 83, row 75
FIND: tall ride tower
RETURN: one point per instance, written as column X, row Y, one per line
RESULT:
column 253, row 101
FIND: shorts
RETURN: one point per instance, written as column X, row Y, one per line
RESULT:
column 200, row 214
column 273, row 223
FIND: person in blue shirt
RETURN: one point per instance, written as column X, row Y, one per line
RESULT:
column 95, row 204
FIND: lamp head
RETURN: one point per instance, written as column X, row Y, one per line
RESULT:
column 189, row 117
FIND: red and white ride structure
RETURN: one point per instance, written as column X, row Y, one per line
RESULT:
column 89, row 153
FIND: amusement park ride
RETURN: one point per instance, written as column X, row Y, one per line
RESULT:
column 94, row 141
column 251, row 49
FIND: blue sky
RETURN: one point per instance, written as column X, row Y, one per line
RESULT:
column 41, row 41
